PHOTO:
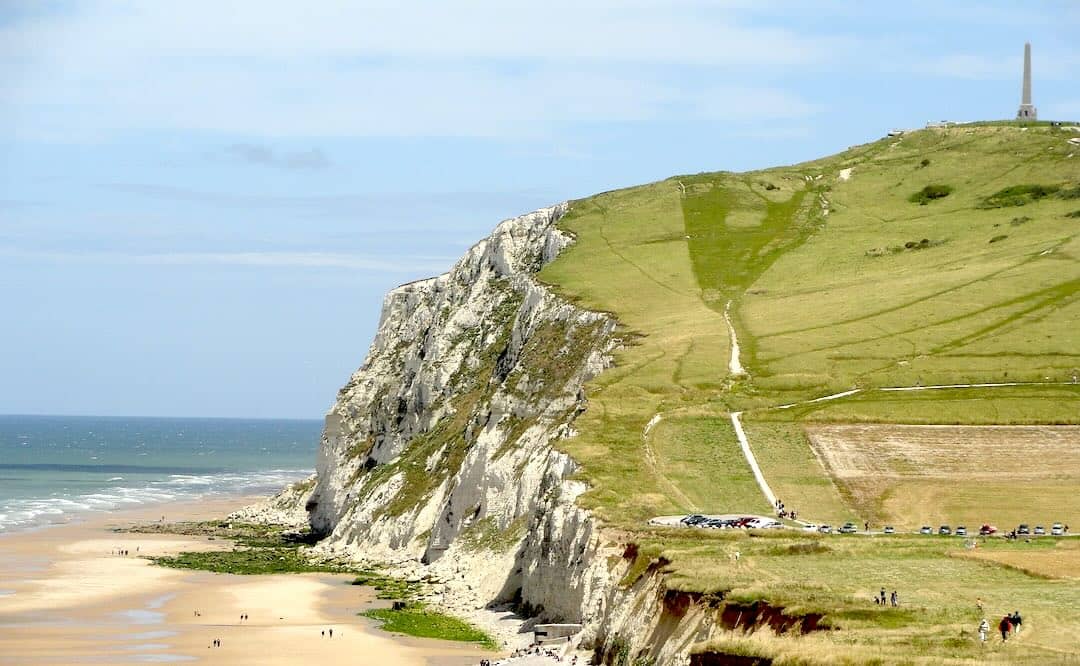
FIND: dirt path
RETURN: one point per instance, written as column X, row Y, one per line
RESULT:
column 735, row 366
column 744, row 444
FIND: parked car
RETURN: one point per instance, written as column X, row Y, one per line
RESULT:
column 825, row 529
column 810, row 527
column 889, row 529
column 961, row 530
column 944, row 530
column 848, row 528
column 1040, row 530
column 1057, row 529
column 1023, row 529
column 693, row 519
column 987, row 530
column 926, row 529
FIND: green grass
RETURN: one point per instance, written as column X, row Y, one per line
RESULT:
column 418, row 621
column 820, row 308
column 249, row 561
column 837, row 575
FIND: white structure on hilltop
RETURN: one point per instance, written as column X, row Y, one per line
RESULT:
column 1027, row 110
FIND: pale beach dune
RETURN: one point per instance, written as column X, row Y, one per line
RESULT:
column 66, row 598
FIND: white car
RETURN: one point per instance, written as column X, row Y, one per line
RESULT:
column 810, row 527
column 1057, row 529
column 763, row 524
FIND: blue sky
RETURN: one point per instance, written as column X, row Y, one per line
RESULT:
column 202, row 203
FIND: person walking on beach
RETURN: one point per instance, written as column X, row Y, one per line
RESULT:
column 984, row 628
column 331, row 632
column 882, row 596
column 894, row 598
column 1016, row 622
column 324, row 633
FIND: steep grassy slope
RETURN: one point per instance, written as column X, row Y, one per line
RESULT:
column 920, row 260
column 836, row 280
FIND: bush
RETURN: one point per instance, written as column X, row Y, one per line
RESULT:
column 1075, row 213
column 1018, row 195
column 1070, row 192
column 1017, row 221
column 998, row 238
column 925, row 163
column 930, row 193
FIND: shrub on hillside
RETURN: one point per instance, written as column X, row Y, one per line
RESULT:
column 1017, row 221
column 1018, row 195
column 1075, row 213
column 998, row 238
column 930, row 193
column 1070, row 192
column 925, row 163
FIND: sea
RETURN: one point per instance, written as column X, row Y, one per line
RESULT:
column 54, row 469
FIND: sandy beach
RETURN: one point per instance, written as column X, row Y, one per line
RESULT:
column 66, row 597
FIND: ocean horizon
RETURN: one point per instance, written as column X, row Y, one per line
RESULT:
column 55, row 468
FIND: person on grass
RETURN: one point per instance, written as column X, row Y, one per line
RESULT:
column 1004, row 627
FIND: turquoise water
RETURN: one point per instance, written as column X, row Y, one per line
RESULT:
column 53, row 468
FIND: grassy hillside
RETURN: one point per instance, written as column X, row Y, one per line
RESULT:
column 940, row 257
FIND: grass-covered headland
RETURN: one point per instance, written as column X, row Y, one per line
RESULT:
column 940, row 257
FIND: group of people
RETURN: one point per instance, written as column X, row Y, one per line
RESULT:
column 781, row 512
column 328, row 631
column 1009, row 624
column 215, row 643
column 123, row 551
column 892, row 599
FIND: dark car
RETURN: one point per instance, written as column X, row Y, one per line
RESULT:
column 987, row 530
column 1023, row 529
column 693, row 519
column 944, row 530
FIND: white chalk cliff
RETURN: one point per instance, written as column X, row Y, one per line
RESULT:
column 439, row 457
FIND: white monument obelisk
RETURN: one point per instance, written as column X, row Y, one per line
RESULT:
column 1027, row 110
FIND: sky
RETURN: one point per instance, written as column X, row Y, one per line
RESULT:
column 203, row 203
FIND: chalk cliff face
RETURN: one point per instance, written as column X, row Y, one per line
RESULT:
column 437, row 457
column 442, row 441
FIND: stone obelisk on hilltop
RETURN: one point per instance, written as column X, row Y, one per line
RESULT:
column 1027, row 110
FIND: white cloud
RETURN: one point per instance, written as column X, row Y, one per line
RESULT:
column 254, row 259
column 331, row 69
